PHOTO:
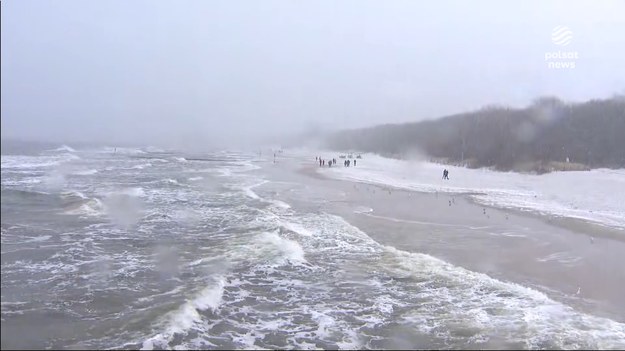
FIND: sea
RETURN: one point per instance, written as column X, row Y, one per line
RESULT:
column 109, row 247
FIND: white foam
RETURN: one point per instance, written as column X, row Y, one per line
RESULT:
column 187, row 315
column 291, row 250
column 37, row 239
column 297, row 228
column 223, row 172
column 121, row 150
column 451, row 297
column 171, row 181
column 566, row 258
column 543, row 318
column 92, row 208
column 64, row 148
column 73, row 193
column 363, row 209
column 23, row 181
column 186, row 216
column 19, row 162
column 86, row 172
column 196, row 178
column 280, row 204
column 246, row 166
column 248, row 190
column 141, row 166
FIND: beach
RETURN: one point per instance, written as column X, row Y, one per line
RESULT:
column 573, row 261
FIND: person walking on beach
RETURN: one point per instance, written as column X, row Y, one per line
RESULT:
column 354, row 163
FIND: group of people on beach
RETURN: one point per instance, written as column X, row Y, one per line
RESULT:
column 331, row 162
column 446, row 174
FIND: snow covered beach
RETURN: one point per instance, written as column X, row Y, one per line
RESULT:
column 595, row 196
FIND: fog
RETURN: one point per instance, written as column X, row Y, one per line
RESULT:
column 207, row 73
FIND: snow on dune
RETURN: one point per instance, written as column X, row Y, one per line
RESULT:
column 596, row 195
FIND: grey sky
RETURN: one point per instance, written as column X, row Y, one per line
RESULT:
column 210, row 71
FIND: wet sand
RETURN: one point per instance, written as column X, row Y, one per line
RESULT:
column 572, row 261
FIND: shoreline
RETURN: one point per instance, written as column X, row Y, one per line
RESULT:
column 578, row 225
column 554, row 256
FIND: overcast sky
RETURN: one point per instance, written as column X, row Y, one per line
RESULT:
column 167, row 72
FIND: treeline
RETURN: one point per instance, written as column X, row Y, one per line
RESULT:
column 547, row 135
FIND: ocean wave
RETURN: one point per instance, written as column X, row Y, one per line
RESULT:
column 63, row 148
column 171, row 181
column 363, row 209
column 36, row 239
column 77, row 203
column 21, row 181
column 297, row 228
column 287, row 250
column 188, row 315
column 491, row 306
column 449, row 298
column 141, row 166
column 92, row 208
column 24, row 192
column 73, row 195
column 86, row 172
column 153, row 149
column 280, row 204
column 21, row 162
column 121, row 150
column 247, row 190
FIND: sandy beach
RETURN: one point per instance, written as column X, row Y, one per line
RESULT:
column 572, row 261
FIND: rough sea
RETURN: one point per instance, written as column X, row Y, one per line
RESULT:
column 124, row 248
